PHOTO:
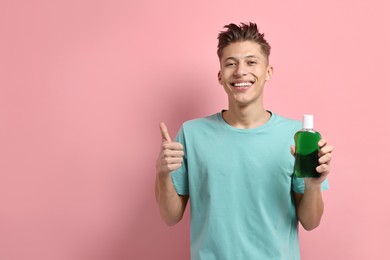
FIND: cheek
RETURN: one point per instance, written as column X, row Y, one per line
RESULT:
column 225, row 84
column 224, row 78
column 260, row 74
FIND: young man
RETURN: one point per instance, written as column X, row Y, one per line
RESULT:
column 236, row 166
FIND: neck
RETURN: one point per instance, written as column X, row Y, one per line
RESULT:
column 246, row 117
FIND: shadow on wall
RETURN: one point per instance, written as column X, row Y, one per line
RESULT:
column 150, row 237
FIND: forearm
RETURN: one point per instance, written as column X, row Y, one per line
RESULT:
column 171, row 205
column 311, row 208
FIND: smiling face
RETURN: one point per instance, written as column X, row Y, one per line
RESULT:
column 244, row 71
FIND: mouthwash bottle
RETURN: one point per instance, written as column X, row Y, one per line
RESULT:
column 306, row 150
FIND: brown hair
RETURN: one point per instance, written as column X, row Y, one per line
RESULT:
column 243, row 32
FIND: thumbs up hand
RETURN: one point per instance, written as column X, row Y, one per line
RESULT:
column 171, row 154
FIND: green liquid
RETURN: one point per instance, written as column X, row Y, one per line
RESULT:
column 306, row 154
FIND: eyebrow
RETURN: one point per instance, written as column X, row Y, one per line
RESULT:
column 246, row 57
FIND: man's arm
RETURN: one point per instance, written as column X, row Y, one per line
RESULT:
column 172, row 205
column 310, row 208
column 310, row 205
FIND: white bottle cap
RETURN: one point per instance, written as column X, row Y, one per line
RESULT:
column 308, row 122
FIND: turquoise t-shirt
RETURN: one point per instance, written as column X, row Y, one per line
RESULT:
column 240, row 186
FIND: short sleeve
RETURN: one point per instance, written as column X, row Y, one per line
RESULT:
column 180, row 176
column 298, row 185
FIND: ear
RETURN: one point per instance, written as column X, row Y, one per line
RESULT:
column 219, row 77
column 270, row 72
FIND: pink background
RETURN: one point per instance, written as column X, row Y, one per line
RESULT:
column 84, row 85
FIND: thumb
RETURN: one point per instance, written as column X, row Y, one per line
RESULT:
column 292, row 150
column 164, row 132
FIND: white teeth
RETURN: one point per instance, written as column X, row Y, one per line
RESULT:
column 243, row 84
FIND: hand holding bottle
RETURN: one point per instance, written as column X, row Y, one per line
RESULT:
column 325, row 157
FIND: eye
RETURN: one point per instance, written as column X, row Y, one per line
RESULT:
column 229, row 64
column 252, row 62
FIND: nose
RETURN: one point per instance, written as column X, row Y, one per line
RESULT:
column 240, row 70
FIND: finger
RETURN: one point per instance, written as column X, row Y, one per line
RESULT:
column 325, row 159
column 164, row 132
column 323, row 168
column 326, row 149
column 322, row 142
column 171, row 160
column 173, row 153
column 292, row 150
column 172, row 146
column 173, row 167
